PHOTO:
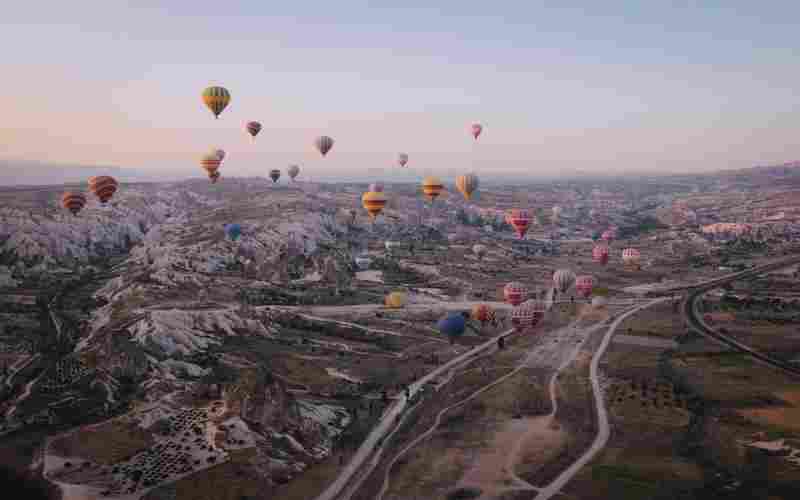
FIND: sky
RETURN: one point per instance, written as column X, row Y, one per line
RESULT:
column 596, row 87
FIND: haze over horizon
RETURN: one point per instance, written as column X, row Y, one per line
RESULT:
column 600, row 89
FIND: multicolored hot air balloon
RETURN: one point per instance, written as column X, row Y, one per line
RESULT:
column 293, row 170
column 216, row 99
column 402, row 159
column 631, row 257
column 103, row 187
column 520, row 220
column 376, row 186
column 515, row 293
column 467, row 184
column 233, row 231
column 74, row 202
column 527, row 315
column 453, row 325
column 396, row 300
column 600, row 254
column 323, row 144
column 432, row 187
column 483, row 313
column 476, row 129
column 211, row 162
column 480, row 250
column 253, row 128
column 274, row 174
column 584, row 285
column 373, row 202
column 563, row 279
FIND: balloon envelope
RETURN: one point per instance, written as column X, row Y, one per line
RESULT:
column 323, row 144
column 233, row 231
column 453, row 325
column 216, row 99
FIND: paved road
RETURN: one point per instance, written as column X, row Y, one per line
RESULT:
column 604, row 431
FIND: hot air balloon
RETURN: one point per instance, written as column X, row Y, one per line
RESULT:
column 527, row 315
column 253, row 128
column 483, row 313
column 467, row 184
column 480, row 250
column 563, row 279
column 600, row 254
column 74, row 202
column 608, row 235
column 323, row 144
column 599, row 301
column 631, row 257
column 515, row 293
column 274, row 174
column 595, row 235
column 103, row 187
column 219, row 153
column 520, row 220
column 211, row 162
column 217, row 99
column 402, row 159
column 293, row 170
column 214, row 177
column 556, row 214
column 396, row 300
column 432, row 187
column 584, row 285
column 453, row 325
column 376, row 186
column 233, row 231
column 476, row 128
column 373, row 202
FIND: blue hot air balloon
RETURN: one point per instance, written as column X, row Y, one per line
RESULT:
column 233, row 231
column 453, row 325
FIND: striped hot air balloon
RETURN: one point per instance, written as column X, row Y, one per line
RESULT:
column 527, row 315
column 253, row 128
column 293, row 170
column 600, row 254
column 520, row 220
column 323, row 144
column 274, row 174
column 563, row 279
column 373, row 202
column 211, row 162
column 584, row 285
column 467, row 184
column 74, row 202
column 631, row 257
column 103, row 186
column 515, row 293
column 432, row 187
column 216, row 99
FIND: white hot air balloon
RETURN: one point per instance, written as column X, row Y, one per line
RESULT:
column 563, row 279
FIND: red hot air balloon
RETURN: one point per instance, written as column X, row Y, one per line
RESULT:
column 476, row 128
column 103, row 187
column 520, row 220
column 584, row 285
column 600, row 254
column 527, row 315
column 515, row 293
column 74, row 202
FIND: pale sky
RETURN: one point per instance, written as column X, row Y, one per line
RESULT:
column 601, row 87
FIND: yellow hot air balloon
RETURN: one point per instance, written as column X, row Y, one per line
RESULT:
column 217, row 99
column 432, row 187
column 396, row 300
column 373, row 202
column 467, row 184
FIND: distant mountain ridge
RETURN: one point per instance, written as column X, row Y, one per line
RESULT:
column 32, row 173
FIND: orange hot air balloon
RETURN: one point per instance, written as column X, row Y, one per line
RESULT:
column 373, row 202
column 520, row 220
column 476, row 128
column 216, row 99
column 74, row 202
column 482, row 313
column 103, row 186
column 432, row 187
column 467, row 184
column 323, row 144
